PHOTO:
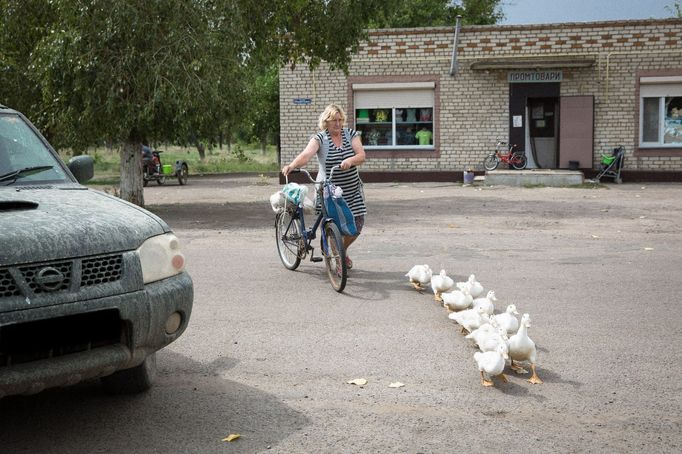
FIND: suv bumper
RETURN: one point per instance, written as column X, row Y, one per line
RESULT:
column 62, row 345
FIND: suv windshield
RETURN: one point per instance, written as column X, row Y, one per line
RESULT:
column 24, row 158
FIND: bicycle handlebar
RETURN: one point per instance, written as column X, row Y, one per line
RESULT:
column 312, row 180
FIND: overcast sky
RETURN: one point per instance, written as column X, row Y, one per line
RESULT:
column 553, row 11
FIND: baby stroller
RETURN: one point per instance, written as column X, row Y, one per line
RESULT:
column 611, row 165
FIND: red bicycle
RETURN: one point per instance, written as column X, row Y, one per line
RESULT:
column 514, row 159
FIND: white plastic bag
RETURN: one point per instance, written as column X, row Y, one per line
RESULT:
column 277, row 201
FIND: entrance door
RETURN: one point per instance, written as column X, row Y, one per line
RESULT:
column 577, row 128
column 543, row 129
column 533, row 123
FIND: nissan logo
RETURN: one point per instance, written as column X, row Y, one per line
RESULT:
column 49, row 278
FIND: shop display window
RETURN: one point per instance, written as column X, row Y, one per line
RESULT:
column 395, row 126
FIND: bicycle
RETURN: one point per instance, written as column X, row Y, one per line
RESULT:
column 294, row 240
column 515, row 159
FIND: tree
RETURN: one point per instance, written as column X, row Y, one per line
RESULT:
column 135, row 71
column 430, row 13
column 675, row 9
column 132, row 73
column 263, row 110
column 22, row 25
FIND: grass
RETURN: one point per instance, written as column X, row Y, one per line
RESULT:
column 242, row 158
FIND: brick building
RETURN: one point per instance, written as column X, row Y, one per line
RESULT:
column 564, row 93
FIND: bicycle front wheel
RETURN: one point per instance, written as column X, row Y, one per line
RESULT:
column 518, row 161
column 334, row 256
column 491, row 162
column 289, row 237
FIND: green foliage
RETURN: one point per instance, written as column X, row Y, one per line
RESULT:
column 431, row 13
column 675, row 9
column 263, row 103
column 23, row 24
column 127, row 71
column 238, row 153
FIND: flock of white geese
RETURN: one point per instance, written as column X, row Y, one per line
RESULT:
column 499, row 337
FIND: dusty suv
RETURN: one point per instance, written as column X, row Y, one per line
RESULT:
column 90, row 286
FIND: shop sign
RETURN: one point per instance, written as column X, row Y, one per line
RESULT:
column 302, row 101
column 525, row 77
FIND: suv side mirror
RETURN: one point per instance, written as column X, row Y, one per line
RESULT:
column 82, row 167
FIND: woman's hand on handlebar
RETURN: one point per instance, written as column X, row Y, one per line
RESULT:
column 346, row 164
column 286, row 170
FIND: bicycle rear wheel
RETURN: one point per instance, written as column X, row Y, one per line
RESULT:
column 289, row 237
column 334, row 256
column 518, row 161
column 491, row 162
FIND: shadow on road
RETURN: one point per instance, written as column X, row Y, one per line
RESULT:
column 190, row 413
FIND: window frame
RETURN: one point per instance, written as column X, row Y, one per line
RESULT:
column 646, row 84
column 397, row 83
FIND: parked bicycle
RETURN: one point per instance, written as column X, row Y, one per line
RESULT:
column 294, row 240
column 513, row 158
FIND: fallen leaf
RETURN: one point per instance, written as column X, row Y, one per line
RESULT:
column 595, row 236
column 396, row 384
column 452, row 226
column 648, row 249
column 231, row 437
column 358, row 381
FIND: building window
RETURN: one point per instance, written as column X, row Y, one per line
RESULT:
column 661, row 113
column 395, row 115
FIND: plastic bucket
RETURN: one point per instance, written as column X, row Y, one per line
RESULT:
column 167, row 169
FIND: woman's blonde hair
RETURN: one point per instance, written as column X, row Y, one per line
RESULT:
column 330, row 112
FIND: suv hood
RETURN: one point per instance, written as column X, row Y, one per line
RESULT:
column 72, row 221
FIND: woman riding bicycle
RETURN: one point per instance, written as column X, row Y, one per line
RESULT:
column 336, row 145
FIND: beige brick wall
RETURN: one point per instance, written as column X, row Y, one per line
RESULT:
column 474, row 104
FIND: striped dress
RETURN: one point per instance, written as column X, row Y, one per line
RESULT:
column 348, row 180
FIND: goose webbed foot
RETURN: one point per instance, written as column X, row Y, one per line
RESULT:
column 534, row 379
column 485, row 382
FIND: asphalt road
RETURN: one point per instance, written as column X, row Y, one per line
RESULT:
column 269, row 352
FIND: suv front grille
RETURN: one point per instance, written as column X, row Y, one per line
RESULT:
column 43, row 339
column 100, row 270
column 62, row 276
column 32, row 275
column 7, row 286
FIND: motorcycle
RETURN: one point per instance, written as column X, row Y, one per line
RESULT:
column 154, row 170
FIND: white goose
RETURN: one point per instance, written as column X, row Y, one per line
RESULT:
column 420, row 275
column 492, row 364
column 507, row 321
column 522, row 348
column 488, row 336
column 441, row 283
column 469, row 319
column 486, row 302
column 457, row 300
column 472, row 285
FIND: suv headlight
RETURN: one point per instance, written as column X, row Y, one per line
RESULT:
column 160, row 257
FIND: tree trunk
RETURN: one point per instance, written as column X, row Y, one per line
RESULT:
column 202, row 151
column 131, row 173
column 263, row 145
